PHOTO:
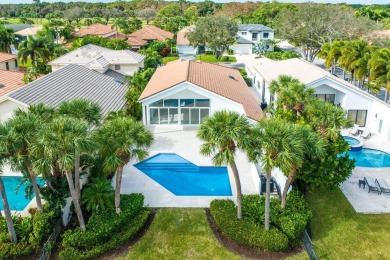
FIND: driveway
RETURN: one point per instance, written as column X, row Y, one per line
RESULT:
column 186, row 56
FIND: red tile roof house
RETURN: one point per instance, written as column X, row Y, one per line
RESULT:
column 8, row 61
column 147, row 34
column 9, row 82
column 98, row 29
column 184, row 92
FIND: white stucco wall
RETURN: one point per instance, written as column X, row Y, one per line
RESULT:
column 127, row 69
column 248, row 35
column 11, row 65
column 7, row 108
column 186, row 49
column 188, row 90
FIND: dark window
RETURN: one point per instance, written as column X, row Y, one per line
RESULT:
column 254, row 36
column 16, row 63
column 202, row 102
column 7, row 65
column 159, row 103
column 265, row 35
column 327, row 97
column 187, row 102
column 243, row 33
column 358, row 116
column 117, row 67
column 171, row 102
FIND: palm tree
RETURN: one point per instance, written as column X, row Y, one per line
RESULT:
column 281, row 83
column 223, row 134
column 296, row 95
column 7, row 211
column 7, row 38
column 35, row 49
column 88, row 111
column 97, row 195
column 59, row 141
column 117, row 23
column 350, row 53
column 121, row 139
column 280, row 148
column 379, row 65
column 23, row 128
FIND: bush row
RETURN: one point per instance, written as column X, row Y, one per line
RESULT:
column 128, row 231
column 103, row 226
column 287, row 225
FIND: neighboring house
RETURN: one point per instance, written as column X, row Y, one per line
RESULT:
column 183, row 44
column 363, row 108
column 30, row 31
column 9, row 81
column 8, row 61
column 147, row 34
column 184, row 92
column 18, row 27
column 98, row 29
column 102, row 59
column 250, row 34
column 70, row 82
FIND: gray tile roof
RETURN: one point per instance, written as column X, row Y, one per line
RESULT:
column 253, row 27
column 18, row 27
column 243, row 40
column 76, row 81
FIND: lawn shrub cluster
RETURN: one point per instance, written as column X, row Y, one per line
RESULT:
column 106, row 230
column 283, row 55
column 287, row 225
column 30, row 231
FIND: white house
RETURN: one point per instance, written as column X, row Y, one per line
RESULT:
column 250, row 34
column 101, row 59
column 184, row 92
column 8, row 61
column 363, row 108
column 183, row 44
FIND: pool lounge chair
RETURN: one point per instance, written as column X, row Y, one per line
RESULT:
column 366, row 133
column 372, row 185
column 383, row 186
column 354, row 130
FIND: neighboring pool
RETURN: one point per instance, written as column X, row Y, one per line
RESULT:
column 183, row 178
column 370, row 158
column 16, row 201
column 355, row 144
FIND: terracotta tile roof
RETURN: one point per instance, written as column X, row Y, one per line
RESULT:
column 181, row 36
column 11, row 80
column 115, row 36
column 6, row 56
column 95, row 29
column 149, row 32
column 221, row 80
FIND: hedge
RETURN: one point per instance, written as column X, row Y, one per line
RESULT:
column 118, row 239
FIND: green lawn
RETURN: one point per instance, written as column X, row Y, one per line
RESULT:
column 211, row 58
column 165, row 60
column 338, row 232
column 179, row 234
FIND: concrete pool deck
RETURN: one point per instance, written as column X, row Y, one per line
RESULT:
column 187, row 145
column 362, row 201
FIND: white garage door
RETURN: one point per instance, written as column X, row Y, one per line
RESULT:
column 242, row 48
column 185, row 49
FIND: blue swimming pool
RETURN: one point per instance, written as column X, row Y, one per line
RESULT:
column 16, row 201
column 356, row 145
column 183, row 178
column 370, row 158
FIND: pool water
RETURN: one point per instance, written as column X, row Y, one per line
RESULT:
column 370, row 158
column 16, row 201
column 351, row 141
column 183, row 178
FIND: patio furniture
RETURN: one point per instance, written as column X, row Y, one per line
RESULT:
column 362, row 183
column 354, row 130
column 384, row 187
column 366, row 133
column 372, row 185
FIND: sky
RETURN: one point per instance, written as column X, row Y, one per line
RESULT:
column 219, row 1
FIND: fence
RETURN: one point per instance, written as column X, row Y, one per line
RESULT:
column 51, row 241
column 308, row 245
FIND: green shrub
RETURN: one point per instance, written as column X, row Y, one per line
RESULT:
column 274, row 240
column 15, row 250
column 225, row 58
column 103, row 226
column 4, row 237
column 43, row 224
column 209, row 52
column 127, row 231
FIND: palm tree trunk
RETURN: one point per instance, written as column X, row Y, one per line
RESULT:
column 75, row 200
column 289, row 180
column 7, row 213
column 238, row 188
column 119, row 172
column 77, row 175
column 267, row 200
column 36, row 188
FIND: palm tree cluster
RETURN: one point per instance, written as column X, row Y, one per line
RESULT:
column 284, row 143
column 367, row 64
column 7, row 38
column 60, row 142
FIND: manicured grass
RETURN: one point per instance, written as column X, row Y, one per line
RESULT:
column 338, row 232
column 211, row 58
column 165, row 60
column 179, row 234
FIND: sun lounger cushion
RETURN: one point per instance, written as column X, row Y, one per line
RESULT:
column 372, row 185
column 383, row 186
column 354, row 130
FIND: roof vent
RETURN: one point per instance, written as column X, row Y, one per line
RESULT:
column 118, row 81
column 232, row 77
column 1, row 85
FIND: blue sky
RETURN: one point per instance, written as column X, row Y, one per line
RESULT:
column 220, row 1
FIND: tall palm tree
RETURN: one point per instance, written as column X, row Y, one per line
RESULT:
column 35, row 48
column 296, row 95
column 59, row 141
column 7, row 38
column 350, row 53
column 224, row 133
column 280, row 84
column 379, row 65
column 88, row 111
column 280, row 148
column 23, row 128
column 7, row 211
column 120, row 140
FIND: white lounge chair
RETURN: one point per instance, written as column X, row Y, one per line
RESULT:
column 354, row 130
column 366, row 133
